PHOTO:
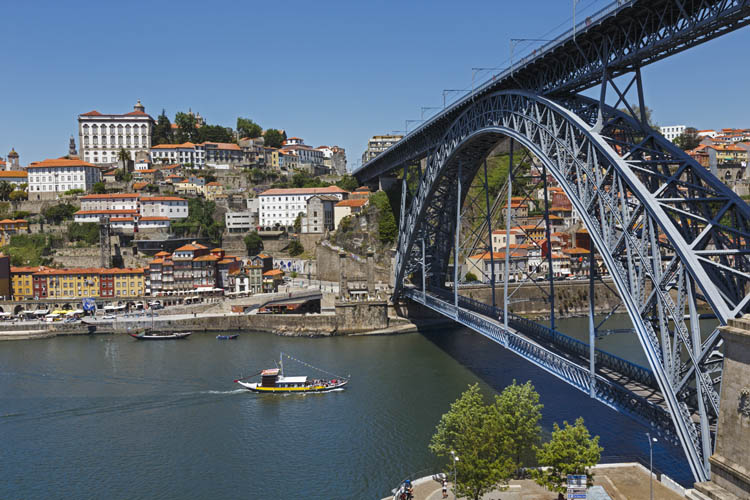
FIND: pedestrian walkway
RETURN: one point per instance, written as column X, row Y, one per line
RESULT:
column 614, row 482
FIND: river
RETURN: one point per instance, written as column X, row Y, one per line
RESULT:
column 110, row 417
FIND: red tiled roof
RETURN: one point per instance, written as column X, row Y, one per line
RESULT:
column 289, row 191
column 162, row 198
column 92, row 113
column 184, row 145
column 59, row 162
column 154, row 219
column 121, row 219
column 13, row 173
column 273, row 272
column 360, row 202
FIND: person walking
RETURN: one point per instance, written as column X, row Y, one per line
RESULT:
column 445, row 488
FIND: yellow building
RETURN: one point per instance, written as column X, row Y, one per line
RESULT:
column 727, row 153
column 272, row 158
column 10, row 227
column 22, row 281
column 71, row 283
column 128, row 282
column 213, row 190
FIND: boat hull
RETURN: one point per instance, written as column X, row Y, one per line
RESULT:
column 254, row 387
column 227, row 337
column 174, row 336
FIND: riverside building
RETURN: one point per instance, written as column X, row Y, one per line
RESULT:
column 280, row 207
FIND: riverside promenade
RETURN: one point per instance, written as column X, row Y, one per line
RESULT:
column 627, row 481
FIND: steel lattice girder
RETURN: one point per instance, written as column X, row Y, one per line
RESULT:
column 623, row 36
column 656, row 217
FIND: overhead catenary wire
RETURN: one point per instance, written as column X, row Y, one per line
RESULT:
column 313, row 367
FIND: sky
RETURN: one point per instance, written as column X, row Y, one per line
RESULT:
column 331, row 72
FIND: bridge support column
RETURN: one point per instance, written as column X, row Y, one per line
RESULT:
column 592, row 327
column 550, row 260
column 489, row 233
column 424, row 273
column 456, row 263
column 506, row 271
column 730, row 471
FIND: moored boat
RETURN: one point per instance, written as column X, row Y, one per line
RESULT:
column 160, row 336
column 273, row 380
column 228, row 337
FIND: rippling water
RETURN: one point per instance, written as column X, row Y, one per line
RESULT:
column 111, row 417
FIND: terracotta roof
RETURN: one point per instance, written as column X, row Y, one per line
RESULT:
column 136, row 113
column 121, row 219
column 352, row 203
column 204, row 258
column 16, row 221
column 106, row 212
column 154, row 219
column 59, row 162
column 184, row 145
column 273, row 272
column 157, row 261
column 290, row 191
column 263, row 255
column 139, row 185
column 495, row 255
column 162, row 198
column 26, row 269
column 163, row 254
column 13, row 173
column 186, row 248
column 213, row 184
column 108, row 196
column 92, row 113
column 576, row 251
column 226, row 261
column 222, row 145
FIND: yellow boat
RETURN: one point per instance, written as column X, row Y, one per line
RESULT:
column 272, row 380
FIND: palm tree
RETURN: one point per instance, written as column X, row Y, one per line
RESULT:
column 124, row 156
column 5, row 189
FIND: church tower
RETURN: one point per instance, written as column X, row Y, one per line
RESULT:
column 72, row 147
column 13, row 160
column 139, row 107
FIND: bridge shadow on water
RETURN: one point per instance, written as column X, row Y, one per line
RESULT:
column 623, row 439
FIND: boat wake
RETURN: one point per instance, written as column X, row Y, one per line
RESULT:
column 233, row 391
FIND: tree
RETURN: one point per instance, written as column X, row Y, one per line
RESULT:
column 5, row 189
column 214, row 133
column 470, row 277
column 687, row 140
column 519, row 412
column 99, row 188
column 470, row 429
column 186, row 128
column 86, row 232
column 295, row 248
column 248, row 128
column 387, row 228
column 57, row 213
column 348, row 183
column 298, row 223
column 18, row 196
column 124, row 156
column 273, row 138
column 570, row 451
column 253, row 243
column 122, row 175
column 162, row 131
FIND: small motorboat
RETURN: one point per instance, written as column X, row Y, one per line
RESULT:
column 228, row 337
column 272, row 380
column 160, row 336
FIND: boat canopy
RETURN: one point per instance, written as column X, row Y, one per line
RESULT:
column 293, row 380
column 270, row 372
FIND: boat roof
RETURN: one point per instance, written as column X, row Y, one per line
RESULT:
column 293, row 380
column 270, row 372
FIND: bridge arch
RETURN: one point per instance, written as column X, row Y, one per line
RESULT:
column 653, row 215
column 18, row 310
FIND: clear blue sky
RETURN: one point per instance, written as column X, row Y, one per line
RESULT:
column 332, row 72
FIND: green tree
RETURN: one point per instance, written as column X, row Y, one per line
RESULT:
column 470, row 277
column 570, row 451
column 86, row 232
column 99, row 188
column 162, row 132
column 687, row 140
column 214, row 133
column 5, row 189
column 649, row 112
column 295, row 248
column 273, row 138
column 21, row 214
column 123, row 175
column 253, row 243
column 186, row 128
column 470, row 429
column 387, row 228
column 58, row 213
column 348, row 183
column 298, row 223
column 519, row 412
column 18, row 196
column 124, row 156
column 248, row 128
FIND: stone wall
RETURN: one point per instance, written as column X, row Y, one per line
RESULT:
column 361, row 316
column 328, row 267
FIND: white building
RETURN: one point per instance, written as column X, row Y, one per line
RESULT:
column 183, row 154
column 707, row 133
column 307, row 157
column 672, row 132
column 95, row 215
column 52, row 176
column 239, row 222
column 171, row 207
column 102, row 136
column 115, row 201
column 280, row 207
column 377, row 144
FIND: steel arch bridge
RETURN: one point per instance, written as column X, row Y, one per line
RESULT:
column 673, row 237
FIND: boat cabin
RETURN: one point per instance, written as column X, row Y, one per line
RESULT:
column 271, row 378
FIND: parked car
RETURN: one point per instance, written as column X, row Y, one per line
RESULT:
column 109, row 316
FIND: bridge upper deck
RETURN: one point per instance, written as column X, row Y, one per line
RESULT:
column 621, row 36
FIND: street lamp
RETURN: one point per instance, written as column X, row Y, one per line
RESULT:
column 455, row 487
column 651, row 463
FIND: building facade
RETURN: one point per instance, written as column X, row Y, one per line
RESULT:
column 671, row 132
column 101, row 136
column 280, row 207
column 318, row 217
column 239, row 222
column 377, row 144
column 50, row 177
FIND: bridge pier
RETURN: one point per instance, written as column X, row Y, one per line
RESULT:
column 730, row 463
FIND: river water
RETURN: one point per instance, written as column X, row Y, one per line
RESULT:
column 111, row 417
